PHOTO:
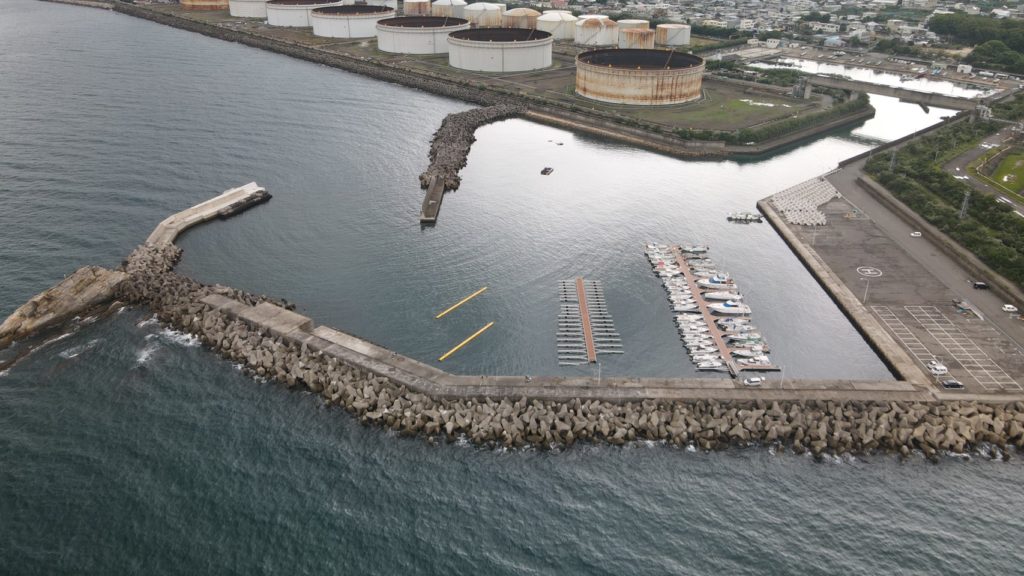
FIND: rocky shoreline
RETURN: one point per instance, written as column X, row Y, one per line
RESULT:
column 817, row 427
column 452, row 141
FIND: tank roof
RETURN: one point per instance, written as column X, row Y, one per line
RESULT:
column 300, row 2
column 422, row 22
column 522, row 12
column 353, row 9
column 643, row 58
column 500, row 34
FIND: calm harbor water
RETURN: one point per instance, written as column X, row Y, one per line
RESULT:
column 126, row 448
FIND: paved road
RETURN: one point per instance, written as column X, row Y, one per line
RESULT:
column 943, row 268
column 958, row 166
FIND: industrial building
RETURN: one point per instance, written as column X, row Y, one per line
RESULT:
column 499, row 49
column 352, row 21
column 672, row 35
column 295, row 13
column 204, row 4
column 417, row 34
column 597, row 30
column 560, row 24
column 640, row 77
column 248, row 8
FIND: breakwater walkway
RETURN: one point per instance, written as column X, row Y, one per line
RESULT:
column 270, row 339
column 449, row 149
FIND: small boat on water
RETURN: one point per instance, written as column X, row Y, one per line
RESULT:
column 547, row 170
column 744, row 217
column 694, row 248
column 730, row 308
column 716, row 281
column 722, row 296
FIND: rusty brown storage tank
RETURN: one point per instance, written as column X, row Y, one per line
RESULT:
column 636, row 38
column 416, row 7
column 520, row 18
column 640, row 77
column 204, row 4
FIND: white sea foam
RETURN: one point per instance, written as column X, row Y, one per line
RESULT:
column 4, row 373
column 151, row 321
column 180, row 338
column 145, row 354
column 76, row 351
column 55, row 339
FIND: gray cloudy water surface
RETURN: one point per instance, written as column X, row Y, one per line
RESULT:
column 127, row 448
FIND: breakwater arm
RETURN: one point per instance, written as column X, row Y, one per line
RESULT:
column 449, row 149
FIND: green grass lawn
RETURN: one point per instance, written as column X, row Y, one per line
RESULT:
column 1010, row 172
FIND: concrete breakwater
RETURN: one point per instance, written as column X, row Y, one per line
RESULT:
column 266, row 349
column 452, row 141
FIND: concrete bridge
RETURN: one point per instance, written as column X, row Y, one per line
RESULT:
column 915, row 96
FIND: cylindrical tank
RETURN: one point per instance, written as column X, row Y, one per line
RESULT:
column 629, row 24
column 520, row 18
column 416, row 7
column 672, row 35
column 483, row 14
column 636, row 38
column 393, row 4
column 352, row 21
column 597, row 30
column 295, row 12
column 499, row 49
column 561, row 25
column 417, row 34
column 640, row 77
column 450, row 8
column 248, row 8
column 204, row 4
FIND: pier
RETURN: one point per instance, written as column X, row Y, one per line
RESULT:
column 226, row 205
column 432, row 201
column 702, row 305
column 585, row 329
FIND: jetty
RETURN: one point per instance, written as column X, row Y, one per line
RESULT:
column 230, row 203
column 585, row 329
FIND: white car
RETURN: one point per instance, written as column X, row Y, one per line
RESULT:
column 937, row 368
column 915, row 234
column 1009, row 308
column 754, row 381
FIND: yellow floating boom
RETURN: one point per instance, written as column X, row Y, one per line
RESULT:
column 461, row 302
column 464, row 342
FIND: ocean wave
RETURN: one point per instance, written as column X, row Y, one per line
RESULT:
column 145, row 354
column 55, row 339
column 151, row 321
column 4, row 373
column 76, row 351
column 181, row 338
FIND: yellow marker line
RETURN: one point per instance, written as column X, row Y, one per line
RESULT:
column 464, row 342
column 461, row 302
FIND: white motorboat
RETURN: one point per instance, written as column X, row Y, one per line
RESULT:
column 721, row 295
column 730, row 308
column 685, row 308
column 710, row 365
column 694, row 248
column 717, row 281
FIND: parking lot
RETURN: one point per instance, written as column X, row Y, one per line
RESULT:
column 944, row 341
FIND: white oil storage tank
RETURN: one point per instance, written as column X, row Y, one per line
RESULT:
column 352, row 21
column 499, row 49
column 598, row 30
column 294, row 12
column 672, row 35
column 450, row 8
column 484, row 14
column 636, row 38
column 628, row 24
column 520, row 18
column 561, row 25
column 417, row 34
column 416, row 7
column 393, row 4
column 248, row 8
